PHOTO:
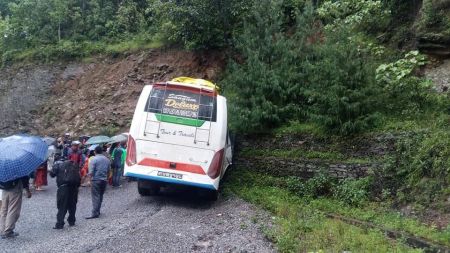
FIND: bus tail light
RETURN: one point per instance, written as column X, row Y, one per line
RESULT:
column 216, row 164
column 131, row 151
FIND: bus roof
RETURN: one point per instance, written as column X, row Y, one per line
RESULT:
column 194, row 83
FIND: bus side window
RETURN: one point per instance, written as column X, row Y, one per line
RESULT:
column 155, row 101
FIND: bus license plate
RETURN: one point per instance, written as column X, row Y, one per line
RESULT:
column 171, row 175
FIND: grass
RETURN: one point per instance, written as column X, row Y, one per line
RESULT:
column 132, row 46
column 377, row 214
column 300, row 228
column 68, row 50
column 301, row 225
column 436, row 115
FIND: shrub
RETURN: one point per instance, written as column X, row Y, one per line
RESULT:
column 353, row 191
column 319, row 185
column 402, row 87
column 366, row 15
column 420, row 169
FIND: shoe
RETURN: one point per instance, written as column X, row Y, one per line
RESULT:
column 71, row 224
column 58, row 227
column 91, row 217
column 10, row 235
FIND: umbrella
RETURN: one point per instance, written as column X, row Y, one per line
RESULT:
column 98, row 140
column 92, row 147
column 20, row 155
column 118, row 138
column 49, row 140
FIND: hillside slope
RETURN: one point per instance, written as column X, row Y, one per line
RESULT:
column 91, row 97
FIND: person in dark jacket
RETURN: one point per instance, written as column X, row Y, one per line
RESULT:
column 67, row 194
column 99, row 168
column 12, row 205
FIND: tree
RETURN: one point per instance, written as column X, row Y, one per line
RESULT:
column 267, row 88
column 342, row 93
column 59, row 13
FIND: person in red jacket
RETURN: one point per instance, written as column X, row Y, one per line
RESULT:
column 74, row 154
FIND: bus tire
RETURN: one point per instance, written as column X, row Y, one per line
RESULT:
column 211, row 195
column 147, row 188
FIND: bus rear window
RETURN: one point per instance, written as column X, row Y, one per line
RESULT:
column 182, row 103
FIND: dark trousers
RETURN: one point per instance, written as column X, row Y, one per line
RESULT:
column 66, row 200
column 117, row 172
column 97, row 190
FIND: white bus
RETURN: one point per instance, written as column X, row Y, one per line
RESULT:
column 179, row 135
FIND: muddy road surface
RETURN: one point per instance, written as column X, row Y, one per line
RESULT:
column 172, row 222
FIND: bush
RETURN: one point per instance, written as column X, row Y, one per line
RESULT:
column 420, row 168
column 402, row 87
column 353, row 191
column 319, row 185
column 363, row 15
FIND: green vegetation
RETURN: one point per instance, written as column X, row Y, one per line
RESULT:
column 330, row 69
column 292, row 153
column 67, row 29
column 419, row 171
column 301, row 224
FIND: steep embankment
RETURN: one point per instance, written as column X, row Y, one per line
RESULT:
column 94, row 96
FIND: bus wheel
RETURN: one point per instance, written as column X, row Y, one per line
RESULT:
column 147, row 188
column 210, row 195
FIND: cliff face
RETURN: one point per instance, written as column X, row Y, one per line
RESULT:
column 91, row 97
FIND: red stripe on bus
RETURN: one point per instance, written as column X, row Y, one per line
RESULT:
column 192, row 168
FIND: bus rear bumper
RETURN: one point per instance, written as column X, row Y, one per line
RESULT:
column 170, row 180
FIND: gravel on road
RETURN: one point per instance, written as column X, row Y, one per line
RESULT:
column 172, row 222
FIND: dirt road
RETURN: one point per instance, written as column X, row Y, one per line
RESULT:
column 172, row 222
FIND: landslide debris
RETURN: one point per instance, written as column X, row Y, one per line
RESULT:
column 98, row 95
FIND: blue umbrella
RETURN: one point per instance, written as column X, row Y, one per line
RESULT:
column 20, row 155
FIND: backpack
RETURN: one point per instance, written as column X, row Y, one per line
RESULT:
column 69, row 174
column 9, row 184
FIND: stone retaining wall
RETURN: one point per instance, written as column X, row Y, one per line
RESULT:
column 304, row 168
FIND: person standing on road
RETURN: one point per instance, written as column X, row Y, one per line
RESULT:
column 117, row 165
column 12, row 205
column 99, row 168
column 68, row 180
column 40, row 176
column 67, row 142
column 74, row 154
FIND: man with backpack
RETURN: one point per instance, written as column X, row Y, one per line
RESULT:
column 99, row 168
column 12, row 205
column 68, row 180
